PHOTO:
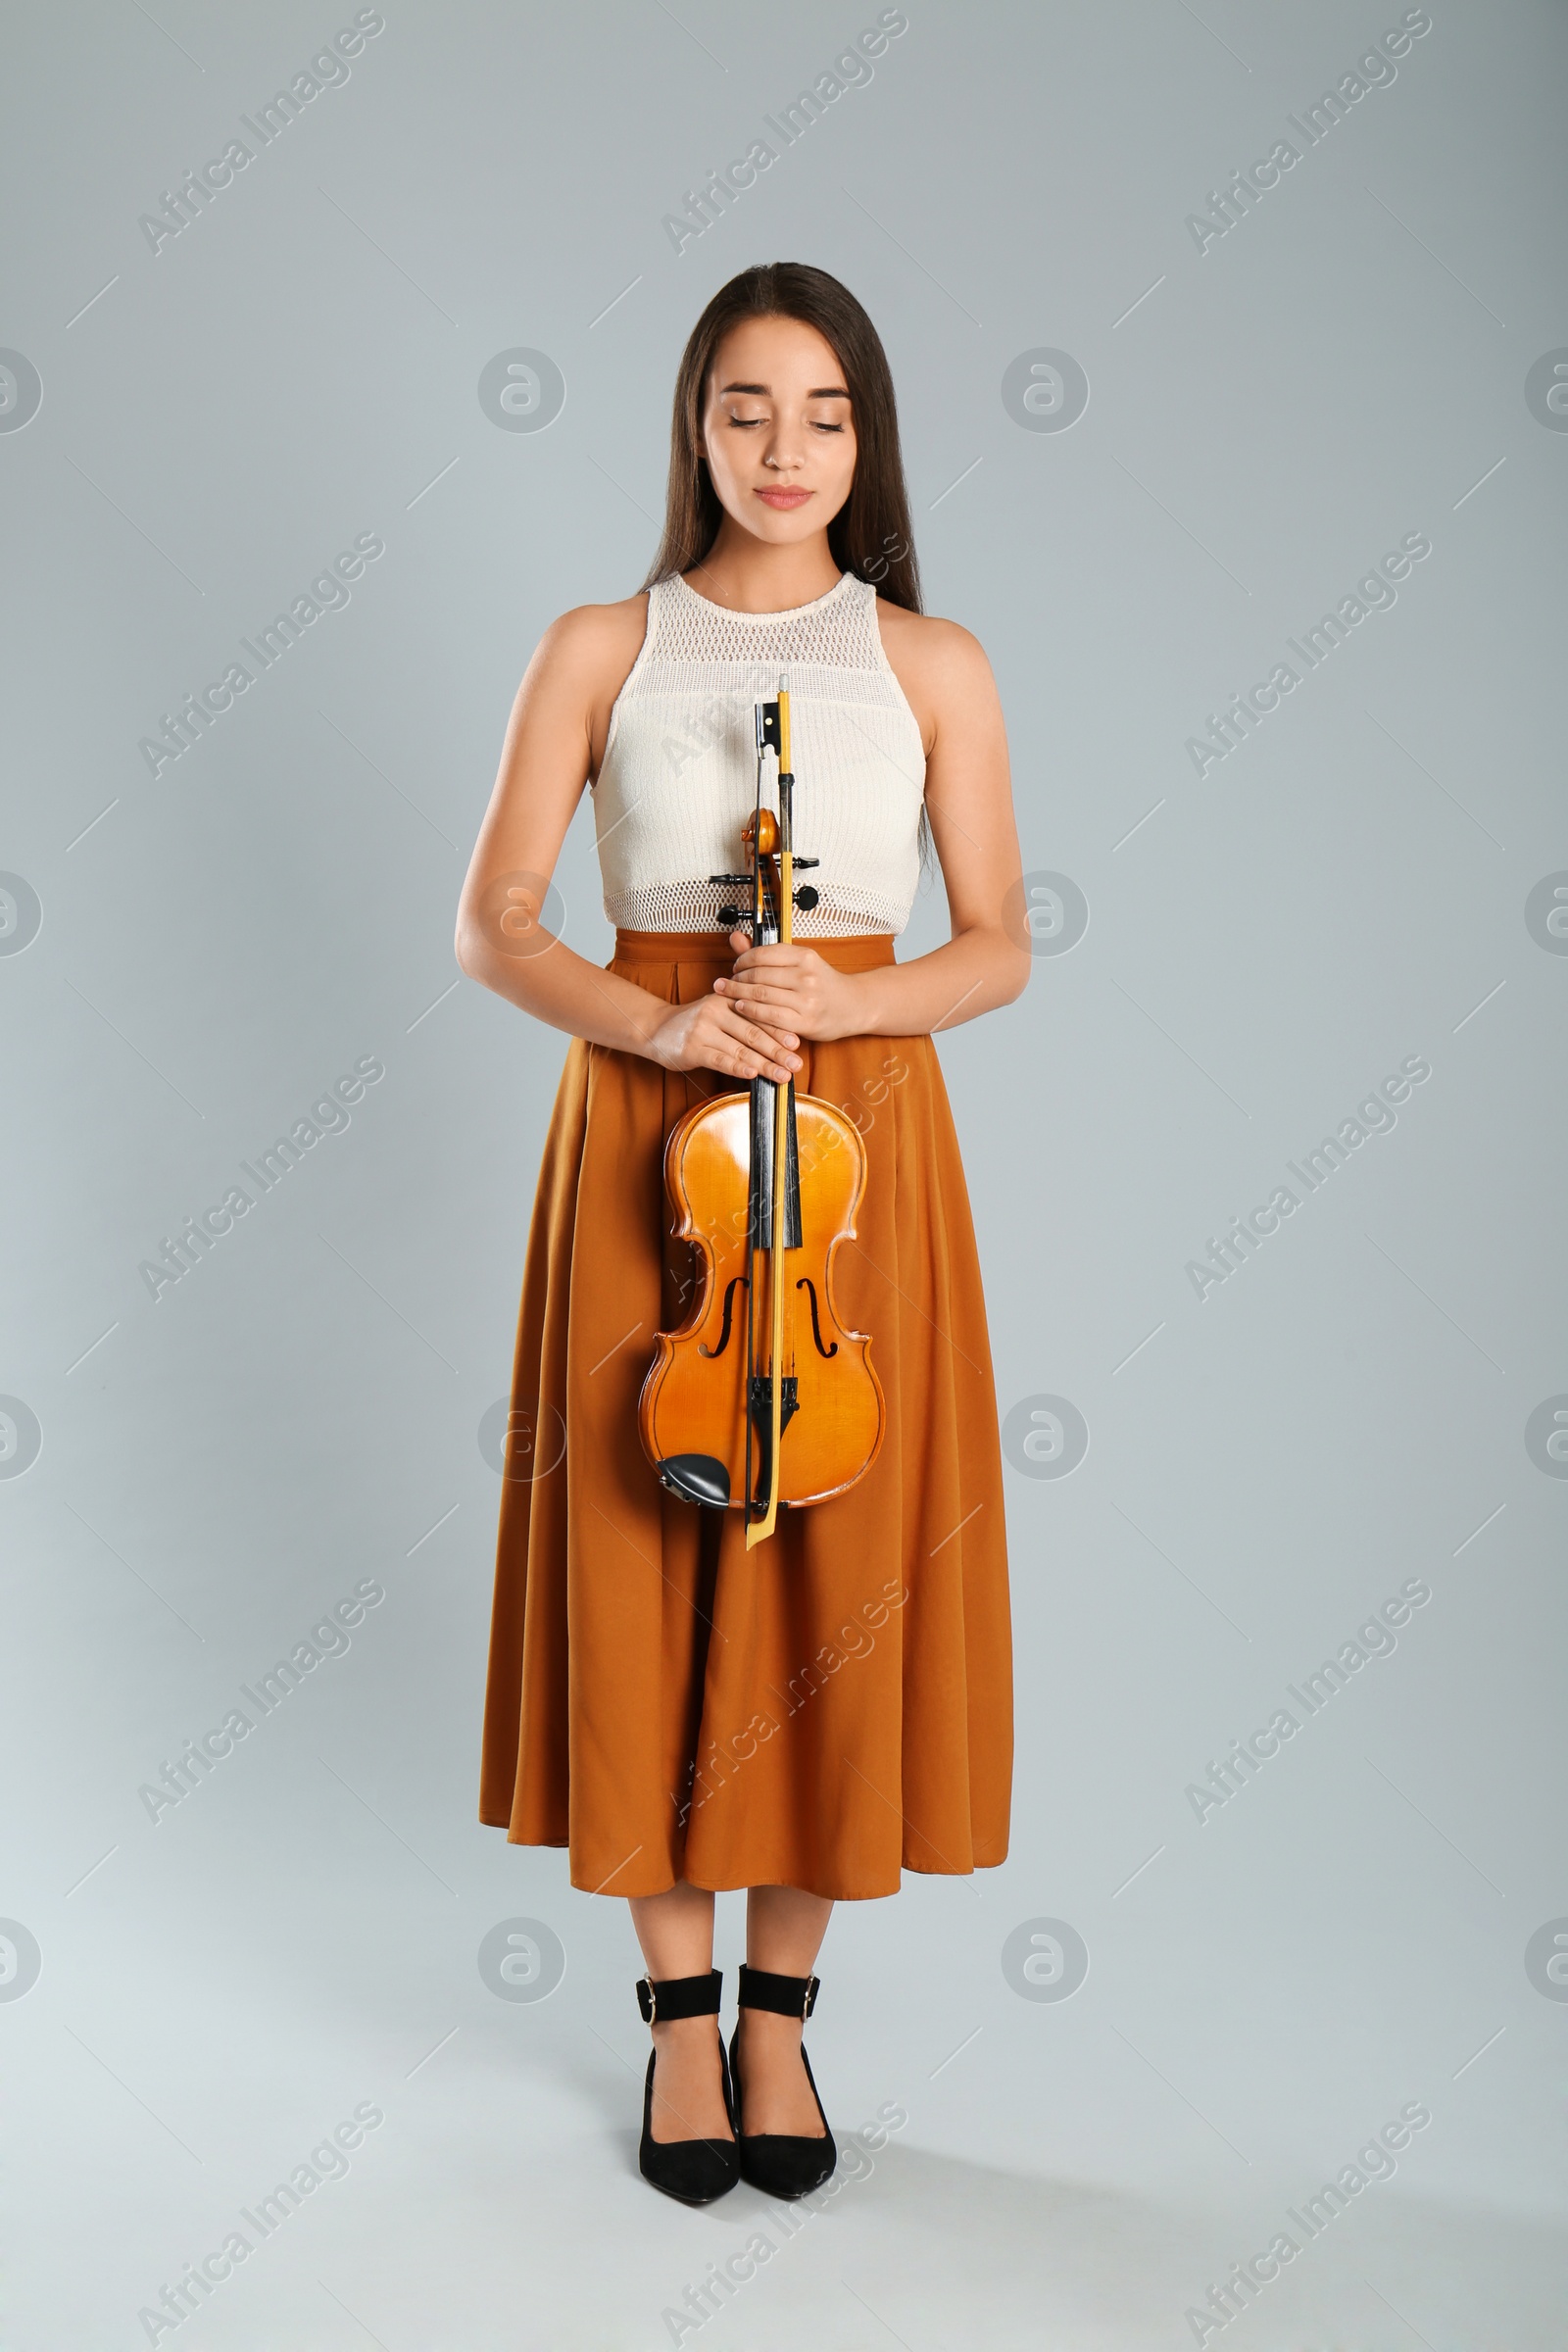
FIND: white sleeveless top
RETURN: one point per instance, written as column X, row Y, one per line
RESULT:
column 678, row 779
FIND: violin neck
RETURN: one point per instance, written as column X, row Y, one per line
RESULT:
column 773, row 911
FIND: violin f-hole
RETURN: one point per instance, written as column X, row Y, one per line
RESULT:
column 806, row 1284
column 739, row 1283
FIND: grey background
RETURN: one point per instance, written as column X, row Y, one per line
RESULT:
column 1265, row 420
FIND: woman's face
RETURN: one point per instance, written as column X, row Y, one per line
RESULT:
column 777, row 430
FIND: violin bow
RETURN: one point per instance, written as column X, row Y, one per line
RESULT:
column 757, row 1531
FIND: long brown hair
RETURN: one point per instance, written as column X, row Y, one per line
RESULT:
column 870, row 535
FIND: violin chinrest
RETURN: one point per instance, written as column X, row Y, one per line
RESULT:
column 696, row 1478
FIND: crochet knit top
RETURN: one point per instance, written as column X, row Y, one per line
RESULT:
column 678, row 779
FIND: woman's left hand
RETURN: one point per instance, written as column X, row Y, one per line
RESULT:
column 792, row 991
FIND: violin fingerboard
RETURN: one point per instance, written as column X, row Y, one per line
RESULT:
column 764, row 1097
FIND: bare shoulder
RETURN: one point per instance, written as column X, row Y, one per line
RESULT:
column 941, row 665
column 593, row 643
column 923, row 637
column 580, row 666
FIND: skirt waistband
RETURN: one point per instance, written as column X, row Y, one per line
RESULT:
column 860, row 951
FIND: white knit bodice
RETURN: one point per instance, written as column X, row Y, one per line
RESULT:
column 678, row 779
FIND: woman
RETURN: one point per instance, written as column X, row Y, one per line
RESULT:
column 807, row 1718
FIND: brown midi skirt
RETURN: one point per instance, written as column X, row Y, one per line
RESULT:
column 837, row 1702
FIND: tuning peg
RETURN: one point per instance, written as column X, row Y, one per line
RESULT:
column 729, row 916
column 806, row 898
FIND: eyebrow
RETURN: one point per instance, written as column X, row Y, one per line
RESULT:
column 820, row 392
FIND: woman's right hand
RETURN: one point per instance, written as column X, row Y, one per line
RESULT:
column 711, row 1035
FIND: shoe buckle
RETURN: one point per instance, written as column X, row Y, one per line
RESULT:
column 811, row 1997
column 645, row 2000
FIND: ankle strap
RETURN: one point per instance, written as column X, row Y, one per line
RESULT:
column 665, row 1998
column 786, row 1996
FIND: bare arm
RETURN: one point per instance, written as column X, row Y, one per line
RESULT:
column 553, row 744
column 948, row 682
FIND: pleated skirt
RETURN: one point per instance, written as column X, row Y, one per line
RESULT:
column 835, row 1705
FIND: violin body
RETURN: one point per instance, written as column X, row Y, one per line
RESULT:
column 695, row 1412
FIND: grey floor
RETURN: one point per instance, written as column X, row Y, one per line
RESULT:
column 1012, row 2173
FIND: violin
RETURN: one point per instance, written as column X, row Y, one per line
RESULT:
column 762, row 1400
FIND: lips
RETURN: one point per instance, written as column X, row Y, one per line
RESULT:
column 784, row 498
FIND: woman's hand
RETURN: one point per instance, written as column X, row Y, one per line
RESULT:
column 792, row 991
column 712, row 1034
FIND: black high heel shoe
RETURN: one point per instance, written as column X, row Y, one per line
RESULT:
column 784, row 2164
column 697, row 2171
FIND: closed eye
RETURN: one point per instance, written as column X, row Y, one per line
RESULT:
column 818, row 424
